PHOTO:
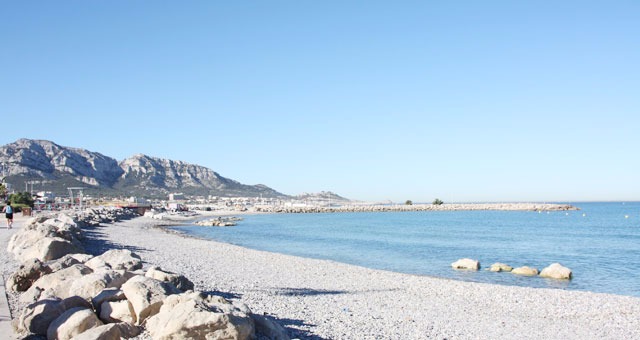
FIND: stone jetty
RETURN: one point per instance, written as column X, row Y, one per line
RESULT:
column 418, row 207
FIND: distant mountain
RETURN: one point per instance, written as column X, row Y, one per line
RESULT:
column 323, row 195
column 49, row 166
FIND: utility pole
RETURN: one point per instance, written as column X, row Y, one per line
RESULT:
column 79, row 189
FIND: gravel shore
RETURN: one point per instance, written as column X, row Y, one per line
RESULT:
column 318, row 299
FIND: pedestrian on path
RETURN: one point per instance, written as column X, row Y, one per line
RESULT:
column 8, row 213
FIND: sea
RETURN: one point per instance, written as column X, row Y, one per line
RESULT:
column 600, row 242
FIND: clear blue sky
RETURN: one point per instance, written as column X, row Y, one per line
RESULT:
column 374, row 100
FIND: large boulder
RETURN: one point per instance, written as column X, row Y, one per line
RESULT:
column 198, row 316
column 26, row 275
column 64, row 262
column 36, row 317
column 179, row 281
column 109, row 294
column 556, row 271
column 71, row 323
column 116, row 259
column 90, row 285
column 147, row 295
column 466, row 264
column 117, row 311
column 112, row 331
column 500, row 267
column 43, row 248
column 269, row 328
column 525, row 271
column 56, row 284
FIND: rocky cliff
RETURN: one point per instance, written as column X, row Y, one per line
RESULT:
column 61, row 167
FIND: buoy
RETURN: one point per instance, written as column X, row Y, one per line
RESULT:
column 626, row 216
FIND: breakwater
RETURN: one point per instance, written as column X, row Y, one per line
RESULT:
column 418, row 207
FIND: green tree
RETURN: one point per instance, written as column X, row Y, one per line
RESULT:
column 408, row 202
column 21, row 199
column 3, row 192
column 437, row 201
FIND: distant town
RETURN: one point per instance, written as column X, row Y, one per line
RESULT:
column 77, row 199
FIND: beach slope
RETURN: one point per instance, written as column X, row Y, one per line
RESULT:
column 321, row 299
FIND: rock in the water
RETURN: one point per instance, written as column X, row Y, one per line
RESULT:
column 525, row 271
column 179, row 281
column 556, row 271
column 26, row 275
column 466, row 264
column 37, row 317
column 116, row 259
column 194, row 315
column 71, row 323
column 500, row 267
column 146, row 295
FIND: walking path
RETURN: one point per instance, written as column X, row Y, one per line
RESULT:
column 6, row 330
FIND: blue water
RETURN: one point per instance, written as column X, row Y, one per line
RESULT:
column 598, row 243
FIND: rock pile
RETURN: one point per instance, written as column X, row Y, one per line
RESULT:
column 67, row 294
column 219, row 222
column 417, row 207
column 97, row 216
column 553, row 271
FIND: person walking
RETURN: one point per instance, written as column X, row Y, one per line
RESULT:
column 8, row 213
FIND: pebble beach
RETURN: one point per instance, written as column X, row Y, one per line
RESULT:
column 319, row 299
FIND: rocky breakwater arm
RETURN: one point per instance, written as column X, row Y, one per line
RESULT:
column 69, row 294
column 219, row 222
column 422, row 207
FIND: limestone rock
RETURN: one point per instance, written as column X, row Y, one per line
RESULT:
column 104, row 332
column 556, row 271
column 146, row 295
column 109, row 294
column 58, row 283
column 466, row 264
column 194, row 315
column 116, row 259
column 71, row 323
column 92, row 284
column 26, row 275
column 45, row 249
column 525, row 271
column 500, row 267
column 63, row 262
column 179, row 281
column 269, row 328
column 112, row 331
column 128, row 330
column 117, row 311
column 36, row 317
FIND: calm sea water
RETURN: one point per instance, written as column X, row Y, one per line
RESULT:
column 600, row 243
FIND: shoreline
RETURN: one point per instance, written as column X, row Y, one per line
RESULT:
column 323, row 299
column 318, row 299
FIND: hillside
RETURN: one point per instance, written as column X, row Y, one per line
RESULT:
column 51, row 167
